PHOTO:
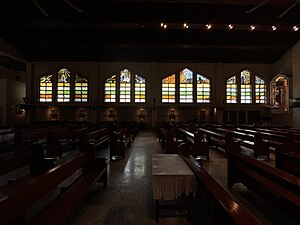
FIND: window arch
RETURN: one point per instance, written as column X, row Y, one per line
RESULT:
column 203, row 89
column 260, row 90
column 45, row 90
column 121, row 86
column 110, row 89
column 63, row 85
column 186, row 86
column 231, row 90
column 81, row 89
column 125, row 86
column 191, row 87
column 244, row 86
column 168, row 89
column 139, row 89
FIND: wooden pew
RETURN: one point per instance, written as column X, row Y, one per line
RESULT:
column 96, row 138
column 23, row 139
column 218, row 201
column 272, row 140
column 200, row 147
column 119, row 141
column 217, row 138
column 17, row 199
column 287, row 160
column 34, row 158
column 57, row 141
column 250, row 141
column 281, row 189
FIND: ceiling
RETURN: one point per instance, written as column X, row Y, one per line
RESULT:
column 130, row 30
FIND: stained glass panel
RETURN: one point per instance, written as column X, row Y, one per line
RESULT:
column 63, row 85
column 110, row 89
column 246, row 87
column 168, row 89
column 203, row 89
column 125, row 87
column 81, row 89
column 231, row 90
column 46, row 88
column 260, row 90
column 186, row 86
column 139, row 89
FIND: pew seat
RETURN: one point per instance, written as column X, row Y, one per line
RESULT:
column 29, row 191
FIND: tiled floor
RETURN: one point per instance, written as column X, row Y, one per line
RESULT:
column 128, row 197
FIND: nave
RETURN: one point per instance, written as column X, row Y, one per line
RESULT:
column 128, row 199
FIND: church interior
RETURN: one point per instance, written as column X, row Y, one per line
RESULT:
column 149, row 112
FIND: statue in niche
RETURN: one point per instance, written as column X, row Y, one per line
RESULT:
column 277, row 97
column 279, row 94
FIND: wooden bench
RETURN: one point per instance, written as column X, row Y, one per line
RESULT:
column 253, row 142
column 200, row 147
column 281, row 189
column 287, row 160
column 57, row 141
column 272, row 140
column 96, row 138
column 119, row 141
column 34, row 158
column 218, row 201
column 217, row 138
column 23, row 139
column 16, row 200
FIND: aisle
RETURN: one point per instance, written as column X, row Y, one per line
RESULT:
column 128, row 197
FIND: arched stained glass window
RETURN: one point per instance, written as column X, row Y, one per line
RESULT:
column 63, row 85
column 203, row 89
column 231, row 90
column 260, row 90
column 139, row 89
column 81, row 89
column 186, row 86
column 46, row 88
column 110, row 89
column 125, row 87
column 246, row 87
column 168, row 89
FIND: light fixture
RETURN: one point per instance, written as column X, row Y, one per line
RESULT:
column 230, row 26
column 274, row 28
column 185, row 26
column 53, row 114
column 208, row 26
column 252, row 27
column 163, row 25
column 295, row 28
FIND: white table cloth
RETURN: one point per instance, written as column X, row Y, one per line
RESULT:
column 171, row 177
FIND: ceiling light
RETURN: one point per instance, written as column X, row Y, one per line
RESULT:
column 295, row 28
column 163, row 25
column 274, row 28
column 230, row 26
column 208, row 26
column 252, row 27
